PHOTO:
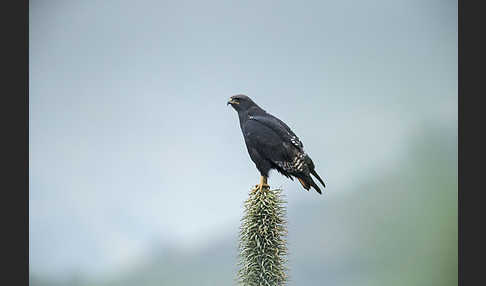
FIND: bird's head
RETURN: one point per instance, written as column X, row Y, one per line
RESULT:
column 241, row 102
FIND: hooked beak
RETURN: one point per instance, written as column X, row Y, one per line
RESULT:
column 231, row 101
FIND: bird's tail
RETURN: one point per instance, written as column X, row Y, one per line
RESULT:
column 314, row 173
column 312, row 170
column 308, row 182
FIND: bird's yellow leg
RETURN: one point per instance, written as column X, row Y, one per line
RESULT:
column 263, row 183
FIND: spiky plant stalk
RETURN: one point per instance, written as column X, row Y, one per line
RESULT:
column 262, row 247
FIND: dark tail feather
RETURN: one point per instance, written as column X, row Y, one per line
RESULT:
column 313, row 172
column 314, row 185
column 307, row 182
column 304, row 183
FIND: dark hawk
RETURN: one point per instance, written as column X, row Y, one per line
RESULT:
column 272, row 145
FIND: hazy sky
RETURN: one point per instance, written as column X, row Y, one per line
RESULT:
column 132, row 144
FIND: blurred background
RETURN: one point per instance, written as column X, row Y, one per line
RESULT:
column 138, row 170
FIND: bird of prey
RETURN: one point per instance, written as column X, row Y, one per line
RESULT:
column 272, row 145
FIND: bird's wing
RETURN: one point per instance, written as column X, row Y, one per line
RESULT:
column 266, row 142
column 274, row 143
column 274, row 140
column 279, row 127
